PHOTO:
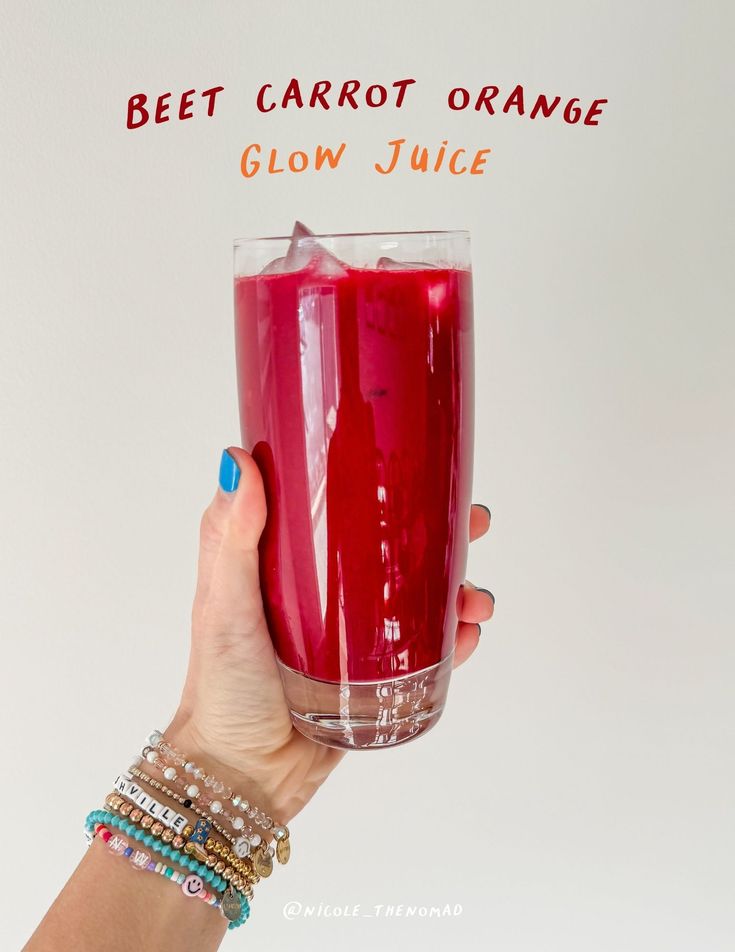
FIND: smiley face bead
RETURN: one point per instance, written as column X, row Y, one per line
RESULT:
column 241, row 847
column 192, row 886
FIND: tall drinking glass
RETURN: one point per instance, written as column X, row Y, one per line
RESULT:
column 356, row 386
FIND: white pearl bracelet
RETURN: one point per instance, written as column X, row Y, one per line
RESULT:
column 222, row 801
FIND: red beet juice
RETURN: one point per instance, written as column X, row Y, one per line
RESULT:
column 356, row 401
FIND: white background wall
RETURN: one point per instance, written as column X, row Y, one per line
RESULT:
column 578, row 792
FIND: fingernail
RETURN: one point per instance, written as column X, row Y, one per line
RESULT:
column 489, row 514
column 229, row 473
column 487, row 592
column 479, row 629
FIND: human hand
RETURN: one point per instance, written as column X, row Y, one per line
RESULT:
column 233, row 714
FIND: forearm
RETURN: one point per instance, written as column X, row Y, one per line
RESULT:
column 163, row 872
column 107, row 906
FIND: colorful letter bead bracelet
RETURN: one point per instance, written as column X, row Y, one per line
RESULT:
column 217, row 856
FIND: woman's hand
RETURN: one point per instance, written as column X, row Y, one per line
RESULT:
column 233, row 713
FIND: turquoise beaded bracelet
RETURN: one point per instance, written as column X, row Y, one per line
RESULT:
column 165, row 850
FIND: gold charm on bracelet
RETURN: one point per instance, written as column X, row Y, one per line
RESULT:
column 230, row 905
column 283, row 850
column 195, row 850
column 263, row 861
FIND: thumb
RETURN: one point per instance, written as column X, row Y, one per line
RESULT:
column 233, row 684
column 228, row 601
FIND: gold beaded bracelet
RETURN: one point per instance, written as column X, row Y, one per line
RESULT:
column 184, row 801
column 240, row 873
column 261, row 858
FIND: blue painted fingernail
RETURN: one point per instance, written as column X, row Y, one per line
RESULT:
column 229, row 473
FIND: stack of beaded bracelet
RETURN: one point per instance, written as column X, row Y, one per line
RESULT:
column 160, row 753
column 230, row 865
column 220, row 859
column 241, row 847
column 235, row 909
column 167, row 758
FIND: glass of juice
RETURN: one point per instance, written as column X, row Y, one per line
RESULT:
column 355, row 371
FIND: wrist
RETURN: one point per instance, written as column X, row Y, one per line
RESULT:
column 249, row 776
column 270, row 779
column 250, row 830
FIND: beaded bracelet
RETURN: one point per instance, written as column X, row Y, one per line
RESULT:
column 241, row 847
column 139, row 859
column 108, row 819
column 175, row 855
column 248, row 835
column 233, row 870
column 192, row 791
column 195, row 842
column 246, row 831
column 191, row 885
column 173, row 758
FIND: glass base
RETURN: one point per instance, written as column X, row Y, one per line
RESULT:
column 364, row 715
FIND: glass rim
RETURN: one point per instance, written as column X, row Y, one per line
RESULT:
column 444, row 232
